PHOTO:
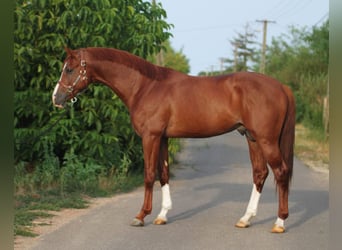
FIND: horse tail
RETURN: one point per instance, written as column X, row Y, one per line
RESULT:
column 287, row 136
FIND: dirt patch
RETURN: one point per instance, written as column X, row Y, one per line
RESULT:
column 43, row 226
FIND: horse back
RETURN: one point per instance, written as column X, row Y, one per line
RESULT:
column 186, row 106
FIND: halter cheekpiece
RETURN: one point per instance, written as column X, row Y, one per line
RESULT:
column 82, row 76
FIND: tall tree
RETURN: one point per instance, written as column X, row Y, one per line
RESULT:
column 300, row 59
column 171, row 58
column 302, row 51
column 243, row 50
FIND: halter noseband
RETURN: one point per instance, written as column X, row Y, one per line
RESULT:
column 82, row 76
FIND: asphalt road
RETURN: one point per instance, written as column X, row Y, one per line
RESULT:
column 210, row 190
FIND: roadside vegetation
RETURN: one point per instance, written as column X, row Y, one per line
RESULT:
column 312, row 148
column 89, row 149
column 64, row 157
column 300, row 59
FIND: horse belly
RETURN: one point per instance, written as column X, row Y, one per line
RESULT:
column 207, row 109
column 200, row 124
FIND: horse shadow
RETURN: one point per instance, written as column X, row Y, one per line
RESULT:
column 196, row 162
column 303, row 204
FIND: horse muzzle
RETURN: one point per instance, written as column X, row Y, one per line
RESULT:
column 59, row 99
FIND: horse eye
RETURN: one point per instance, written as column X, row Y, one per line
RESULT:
column 68, row 70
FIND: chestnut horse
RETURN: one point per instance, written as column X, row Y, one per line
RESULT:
column 164, row 103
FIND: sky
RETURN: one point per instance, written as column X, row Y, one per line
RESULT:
column 203, row 29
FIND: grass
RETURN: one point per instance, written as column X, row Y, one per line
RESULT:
column 24, row 219
column 32, row 206
column 312, row 147
column 28, row 208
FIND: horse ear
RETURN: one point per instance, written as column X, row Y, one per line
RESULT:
column 68, row 51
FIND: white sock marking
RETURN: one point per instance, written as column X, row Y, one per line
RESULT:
column 252, row 207
column 166, row 202
column 279, row 222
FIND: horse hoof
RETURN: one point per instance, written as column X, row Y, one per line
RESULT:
column 242, row 224
column 278, row 229
column 137, row 223
column 159, row 221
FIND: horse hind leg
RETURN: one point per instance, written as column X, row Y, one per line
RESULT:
column 260, row 173
column 243, row 131
column 163, row 170
column 166, row 206
column 282, row 177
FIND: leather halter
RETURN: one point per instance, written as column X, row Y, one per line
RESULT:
column 81, row 77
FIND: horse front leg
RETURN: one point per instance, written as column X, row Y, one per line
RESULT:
column 163, row 170
column 151, row 148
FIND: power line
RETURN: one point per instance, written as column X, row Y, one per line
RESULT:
column 286, row 8
column 299, row 5
column 321, row 19
column 279, row 6
column 197, row 29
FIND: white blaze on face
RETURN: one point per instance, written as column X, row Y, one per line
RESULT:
column 57, row 87
column 54, row 94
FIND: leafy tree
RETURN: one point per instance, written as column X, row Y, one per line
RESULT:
column 96, row 130
column 318, row 41
column 171, row 58
column 300, row 59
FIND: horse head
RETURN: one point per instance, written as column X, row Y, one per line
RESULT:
column 73, row 78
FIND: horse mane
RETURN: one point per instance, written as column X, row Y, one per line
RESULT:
column 131, row 61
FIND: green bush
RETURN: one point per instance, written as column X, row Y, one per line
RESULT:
column 309, row 100
column 300, row 60
column 74, row 148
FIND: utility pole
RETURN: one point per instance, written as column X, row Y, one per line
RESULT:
column 263, row 54
column 160, row 55
column 160, row 58
column 221, row 64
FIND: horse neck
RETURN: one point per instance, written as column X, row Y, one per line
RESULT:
column 125, row 81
